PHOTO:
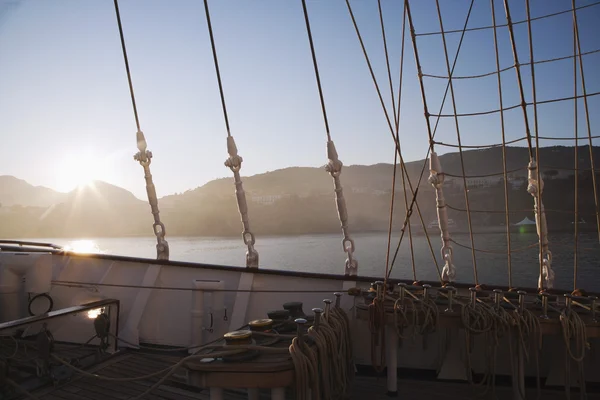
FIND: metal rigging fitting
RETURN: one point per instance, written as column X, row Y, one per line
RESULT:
column 334, row 167
column 144, row 157
column 234, row 163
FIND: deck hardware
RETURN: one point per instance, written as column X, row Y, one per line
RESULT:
column 426, row 289
column 327, row 305
column 337, row 295
column 545, row 296
column 210, row 328
column 225, row 315
column 473, row 291
column 402, row 287
column 102, row 328
column 300, row 322
column 498, row 298
column 593, row 300
column 450, row 290
column 317, row 312
column 522, row 295
column 568, row 301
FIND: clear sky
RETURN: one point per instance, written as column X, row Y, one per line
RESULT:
column 65, row 111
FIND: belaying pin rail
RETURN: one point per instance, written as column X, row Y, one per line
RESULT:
column 498, row 295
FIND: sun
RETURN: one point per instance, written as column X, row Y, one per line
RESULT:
column 78, row 171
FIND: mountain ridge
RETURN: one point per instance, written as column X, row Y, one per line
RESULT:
column 296, row 200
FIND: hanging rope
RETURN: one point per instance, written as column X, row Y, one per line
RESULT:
column 234, row 162
column 334, row 166
column 573, row 330
column 536, row 184
column 144, row 157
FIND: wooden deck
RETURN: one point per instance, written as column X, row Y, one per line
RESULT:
column 134, row 363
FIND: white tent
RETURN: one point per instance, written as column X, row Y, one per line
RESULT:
column 525, row 221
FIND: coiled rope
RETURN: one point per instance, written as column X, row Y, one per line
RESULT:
column 306, row 366
column 574, row 330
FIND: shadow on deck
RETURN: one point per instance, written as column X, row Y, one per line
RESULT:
column 131, row 364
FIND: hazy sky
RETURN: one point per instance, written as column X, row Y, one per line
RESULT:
column 65, row 111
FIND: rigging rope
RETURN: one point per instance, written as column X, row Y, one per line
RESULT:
column 536, row 185
column 576, row 175
column 502, row 127
column 514, row 23
column 587, row 115
column 462, row 162
column 434, row 179
column 334, row 166
column 397, row 138
column 234, row 161
column 498, row 69
column 397, row 144
column 144, row 156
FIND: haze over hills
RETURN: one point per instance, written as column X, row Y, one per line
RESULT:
column 298, row 200
column 14, row 191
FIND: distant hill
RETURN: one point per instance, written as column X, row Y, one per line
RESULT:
column 14, row 191
column 300, row 200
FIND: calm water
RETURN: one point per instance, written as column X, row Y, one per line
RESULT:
column 323, row 253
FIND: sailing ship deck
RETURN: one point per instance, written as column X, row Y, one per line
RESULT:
column 131, row 363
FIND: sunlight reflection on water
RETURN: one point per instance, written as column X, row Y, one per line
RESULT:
column 83, row 246
column 323, row 253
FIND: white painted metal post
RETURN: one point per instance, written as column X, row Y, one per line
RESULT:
column 391, row 339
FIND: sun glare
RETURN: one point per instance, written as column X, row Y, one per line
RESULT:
column 79, row 171
column 82, row 246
